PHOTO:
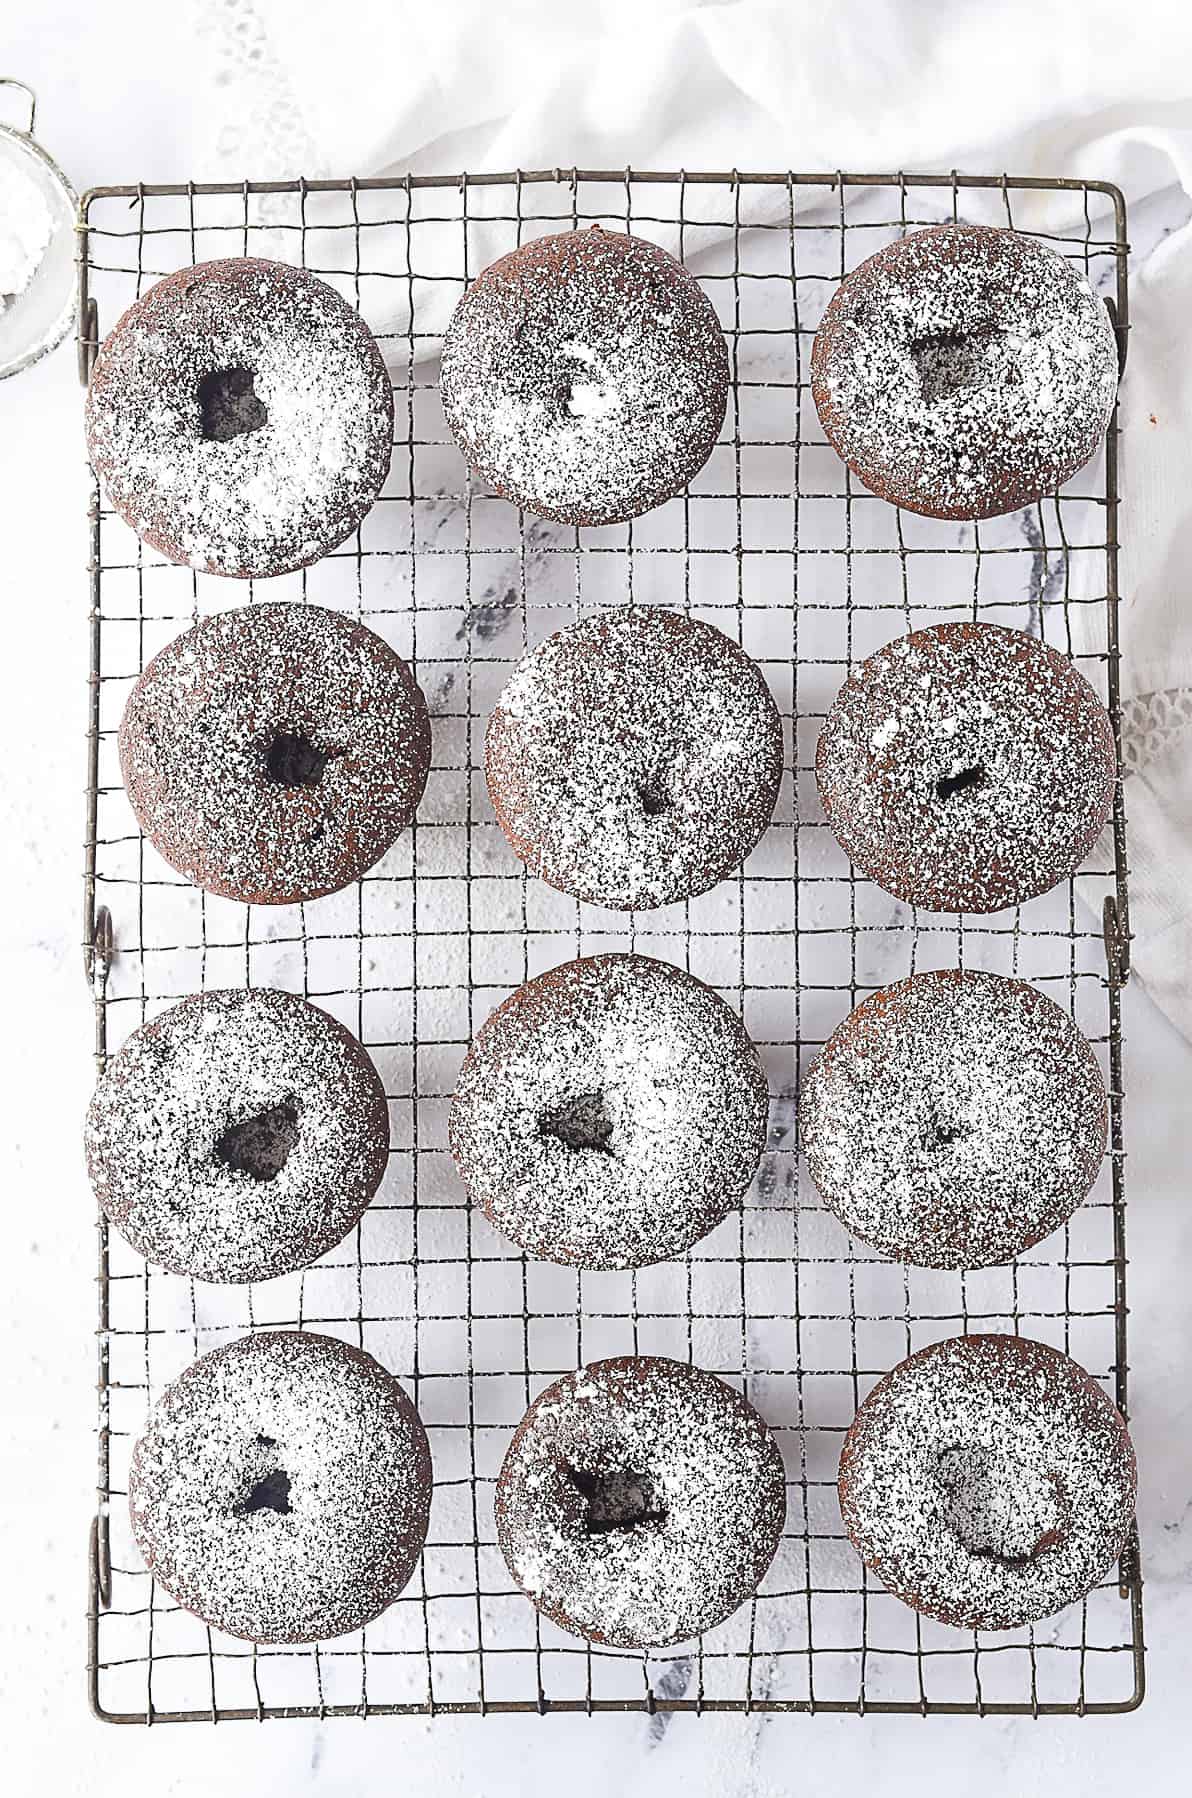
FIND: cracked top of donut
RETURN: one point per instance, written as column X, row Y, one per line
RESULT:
column 954, row 1119
column 610, row 1113
column 275, row 752
column 240, row 418
column 966, row 767
column 988, row 1481
column 585, row 376
column 640, row 1501
column 965, row 371
column 238, row 1136
column 281, row 1489
column 634, row 758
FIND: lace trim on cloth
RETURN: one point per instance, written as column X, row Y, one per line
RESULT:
column 258, row 125
column 1153, row 724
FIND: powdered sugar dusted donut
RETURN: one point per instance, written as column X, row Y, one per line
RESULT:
column 240, row 417
column 237, row 1136
column 640, row 1502
column 964, row 372
column 281, row 1490
column 966, row 767
column 610, row 1113
column 274, row 753
column 634, row 758
column 954, row 1119
column 585, row 376
column 988, row 1481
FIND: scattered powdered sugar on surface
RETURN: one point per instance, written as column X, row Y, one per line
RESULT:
column 610, row 1113
column 988, row 1481
column 267, row 499
column 281, row 1489
column 635, row 757
column 26, row 227
column 210, row 1064
column 966, row 767
column 640, row 1502
column 585, row 376
column 965, row 371
column 954, row 1119
column 206, row 716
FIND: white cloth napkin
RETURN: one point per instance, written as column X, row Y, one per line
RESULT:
column 1074, row 87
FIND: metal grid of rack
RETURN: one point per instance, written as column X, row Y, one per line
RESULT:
column 778, row 546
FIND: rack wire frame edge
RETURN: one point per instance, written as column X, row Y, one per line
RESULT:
column 99, row 946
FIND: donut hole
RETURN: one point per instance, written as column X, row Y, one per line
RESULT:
column 270, row 1493
column 261, row 1145
column 954, row 362
column 999, row 1509
column 579, row 399
column 940, row 1132
column 591, row 399
column 580, row 392
column 228, row 405
column 965, row 780
column 622, row 1500
column 292, row 760
column 654, row 796
column 580, row 1122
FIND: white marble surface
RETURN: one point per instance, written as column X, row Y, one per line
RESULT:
column 46, row 1345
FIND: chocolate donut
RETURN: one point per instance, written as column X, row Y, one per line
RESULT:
column 585, row 376
column 237, row 1136
column 966, row 767
column 964, row 372
column 634, row 758
column 954, row 1119
column 240, row 417
column 988, row 1482
column 273, row 754
column 641, row 1501
column 609, row 1113
column 281, row 1490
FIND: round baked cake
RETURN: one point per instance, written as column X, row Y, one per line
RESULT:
column 274, row 753
column 988, row 1482
column 610, row 1113
column 965, row 371
column 954, row 1119
column 585, row 376
column 240, row 418
column 640, row 1502
column 966, row 767
column 238, row 1136
column 281, row 1490
column 634, row 758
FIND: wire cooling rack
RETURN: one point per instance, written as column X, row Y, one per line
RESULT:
column 776, row 545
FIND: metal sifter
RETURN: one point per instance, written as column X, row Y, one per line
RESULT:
column 37, row 240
